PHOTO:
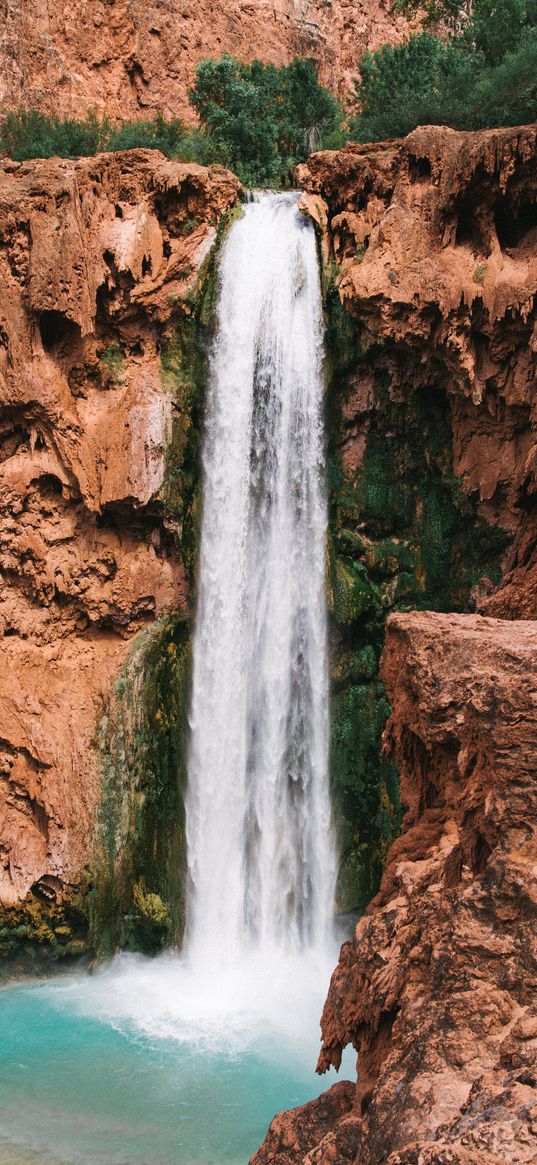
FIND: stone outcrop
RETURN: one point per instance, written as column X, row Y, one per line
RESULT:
column 431, row 244
column 434, row 238
column 437, row 989
column 97, row 259
column 130, row 59
column 430, row 275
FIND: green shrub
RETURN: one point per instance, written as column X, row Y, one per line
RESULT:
column 257, row 119
column 156, row 134
column 421, row 81
column 26, row 133
column 483, row 75
column 111, row 359
column 264, row 119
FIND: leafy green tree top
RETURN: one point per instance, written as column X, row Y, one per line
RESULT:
column 264, row 118
column 483, row 75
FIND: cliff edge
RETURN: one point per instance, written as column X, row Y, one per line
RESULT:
column 436, row 991
column 431, row 244
column 129, row 59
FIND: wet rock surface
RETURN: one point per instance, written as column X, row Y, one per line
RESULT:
column 97, row 258
column 434, row 241
column 431, row 245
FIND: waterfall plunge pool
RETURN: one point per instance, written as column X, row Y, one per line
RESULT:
column 145, row 1063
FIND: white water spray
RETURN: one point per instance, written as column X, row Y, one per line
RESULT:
column 260, row 847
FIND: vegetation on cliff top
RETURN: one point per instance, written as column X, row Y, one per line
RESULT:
column 265, row 119
column 479, row 71
column 482, row 74
column 257, row 119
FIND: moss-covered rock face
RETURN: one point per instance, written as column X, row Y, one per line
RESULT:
column 139, row 864
column 50, row 927
column 404, row 534
column 137, row 900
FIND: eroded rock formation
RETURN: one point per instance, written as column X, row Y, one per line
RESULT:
column 432, row 245
column 131, row 59
column 437, row 989
column 430, row 273
column 435, row 243
column 96, row 258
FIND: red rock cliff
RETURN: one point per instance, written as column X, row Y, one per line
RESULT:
column 434, row 238
column 94, row 258
column 437, row 990
column 433, row 241
column 131, row 59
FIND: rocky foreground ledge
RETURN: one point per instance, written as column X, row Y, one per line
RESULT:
column 438, row 989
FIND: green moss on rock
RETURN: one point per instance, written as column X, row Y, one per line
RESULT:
column 138, row 897
column 403, row 534
column 41, row 932
column 140, row 852
column 184, row 359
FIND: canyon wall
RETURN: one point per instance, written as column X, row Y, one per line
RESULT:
column 431, row 246
column 129, row 59
column 430, row 276
column 98, row 260
column 437, row 989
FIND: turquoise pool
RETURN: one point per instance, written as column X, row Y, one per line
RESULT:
column 137, row 1065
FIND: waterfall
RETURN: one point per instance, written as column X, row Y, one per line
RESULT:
column 187, row 1057
column 259, row 838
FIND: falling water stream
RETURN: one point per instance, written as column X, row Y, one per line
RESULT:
column 183, row 1060
column 261, row 855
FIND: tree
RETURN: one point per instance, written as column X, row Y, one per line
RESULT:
column 264, row 118
column 485, row 75
column 422, row 81
column 235, row 106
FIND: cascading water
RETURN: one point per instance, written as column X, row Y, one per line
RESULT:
column 260, row 848
column 131, row 1055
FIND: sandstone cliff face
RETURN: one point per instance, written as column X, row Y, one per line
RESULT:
column 95, row 260
column 437, row 989
column 435, row 241
column 131, row 59
column 432, row 245
column 430, row 275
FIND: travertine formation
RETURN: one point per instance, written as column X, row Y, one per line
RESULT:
column 435, row 246
column 432, row 244
column 435, row 241
column 128, row 59
column 437, row 990
column 95, row 260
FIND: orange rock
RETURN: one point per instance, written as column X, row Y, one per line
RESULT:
column 89, row 261
column 435, row 239
column 437, row 990
column 129, row 59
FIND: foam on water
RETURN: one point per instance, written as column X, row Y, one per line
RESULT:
column 134, row 1065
